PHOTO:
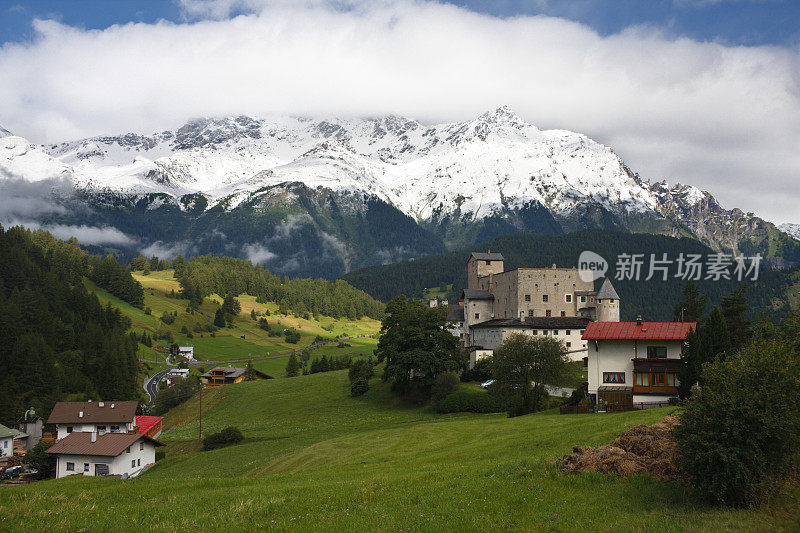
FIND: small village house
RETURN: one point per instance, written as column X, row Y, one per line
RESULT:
column 225, row 375
column 110, row 454
column 633, row 362
column 102, row 418
column 12, row 442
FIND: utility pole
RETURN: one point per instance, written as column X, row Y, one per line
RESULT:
column 201, row 411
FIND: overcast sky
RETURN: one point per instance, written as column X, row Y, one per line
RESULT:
column 705, row 92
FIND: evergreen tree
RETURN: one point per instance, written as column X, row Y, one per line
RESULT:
column 219, row 318
column 711, row 339
column 734, row 306
column 693, row 305
column 230, row 305
column 292, row 366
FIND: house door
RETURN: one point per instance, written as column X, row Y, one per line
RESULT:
column 101, row 469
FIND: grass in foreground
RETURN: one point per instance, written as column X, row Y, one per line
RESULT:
column 316, row 459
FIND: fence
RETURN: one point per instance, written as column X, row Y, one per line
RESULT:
column 611, row 408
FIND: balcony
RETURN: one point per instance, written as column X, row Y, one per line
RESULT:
column 655, row 375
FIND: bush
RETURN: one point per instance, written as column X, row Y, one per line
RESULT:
column 467, row 400
column 167, row 318
column 160, row 454
column 359, row 387
column 739, row 436
column 226, row 437
column 482, row 371
column 361, row 370
column 37, row 459
column 292, row 336
column 445, row 384
column 164, row 334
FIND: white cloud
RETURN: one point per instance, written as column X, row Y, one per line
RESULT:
column 725, row 118
column 258, row 253
column 86, row 235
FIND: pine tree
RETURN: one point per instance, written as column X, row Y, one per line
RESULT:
column 693, row 305
column 219, row 318
column 734, row 306
column 710, row 340
column 292, row 366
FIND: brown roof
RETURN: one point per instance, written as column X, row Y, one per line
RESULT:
column 93, row 413
column 108, row 445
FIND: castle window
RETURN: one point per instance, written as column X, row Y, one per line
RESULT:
column 477, row 316
column 530, row 312
column 527, row 297
column 568, row 332
column 555, row 332
column 488, row 262
column 583, row 299
column 568, row 298
column 535, row 332
column 544, row 297
column 548, row 313
column 569, row 345
column 563, row 313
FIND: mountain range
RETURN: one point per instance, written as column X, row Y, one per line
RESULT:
column 309, row 196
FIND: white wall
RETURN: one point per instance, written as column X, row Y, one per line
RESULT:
column 6, row 446
column 61, row 429
column 116, row 465
column 617, row 355
column 492, row 338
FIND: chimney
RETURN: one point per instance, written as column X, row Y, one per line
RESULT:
column 639, row 320
column 94, row 436
column 100, row 404
column 112, row 405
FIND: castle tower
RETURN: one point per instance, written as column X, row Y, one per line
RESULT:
column 482, row 264
column 607, row 303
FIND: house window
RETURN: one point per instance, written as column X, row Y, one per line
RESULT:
column 477, row 316
column 527, row 297
column 643, row 380
column 530, row 312
column 85, row 467
column 133, row 463
column 101, row 428
column 138, row 462
column 568, row 298
column 128, row 450
column 544, row 298
column 70, row 467
column 656, row 352
column 613, row 377
column 69, row 429
column 114, row 428
column 141, row 446
column 672, row 380
column 563, row 313
column 548, row 313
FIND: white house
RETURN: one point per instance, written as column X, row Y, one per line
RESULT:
column 187, row 352
column 634, row 361
column 100, row 417
column 7, row 438
column 110, row 454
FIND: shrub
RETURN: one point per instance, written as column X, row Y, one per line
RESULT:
column 160, row 454
column 147, row 311
column 482, row 371
column 359, row 387
column 167, row 318
column 445, row 384
column 37, row 459
column 739, row 435
column 292, row 336
column 226, row 437
column 361, row 370
column 164, row 334
column 467, row 400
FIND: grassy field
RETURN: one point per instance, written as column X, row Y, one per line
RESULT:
column 316, row 459
column 162, row 296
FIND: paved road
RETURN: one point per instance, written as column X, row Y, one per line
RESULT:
column 151, row 383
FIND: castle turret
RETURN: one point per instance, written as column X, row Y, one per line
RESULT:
column 607, row 303
column 482, row 264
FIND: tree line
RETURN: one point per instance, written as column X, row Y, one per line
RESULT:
column 205, row 275
column 59, row 341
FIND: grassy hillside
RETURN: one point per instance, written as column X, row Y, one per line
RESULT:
column 654, row 299
column 161, row 295
column 316, row 459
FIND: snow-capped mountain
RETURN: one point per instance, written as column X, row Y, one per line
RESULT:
column 265, row 178
column 792, row 230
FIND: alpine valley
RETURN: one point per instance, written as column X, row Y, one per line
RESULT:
column 307, row 196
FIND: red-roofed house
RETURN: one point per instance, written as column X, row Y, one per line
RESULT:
column 632, row 362
column 149, row 425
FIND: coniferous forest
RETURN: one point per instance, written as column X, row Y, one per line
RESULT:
column 59, row 342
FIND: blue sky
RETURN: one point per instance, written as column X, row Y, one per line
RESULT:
column 743, row 22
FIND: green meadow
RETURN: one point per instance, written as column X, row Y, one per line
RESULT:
column 316, row 459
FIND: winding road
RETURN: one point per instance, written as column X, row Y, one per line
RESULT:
column 151, row 383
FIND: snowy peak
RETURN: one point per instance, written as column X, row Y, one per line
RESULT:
column 4, row 132
column 792, row 230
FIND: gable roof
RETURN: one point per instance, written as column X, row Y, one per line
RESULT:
column 106, row 445
column 146, row 423
column 635, row 331
column 94, row 412
column 6, row 432
column 476, row 294
column 486, row 256
column 607, row 291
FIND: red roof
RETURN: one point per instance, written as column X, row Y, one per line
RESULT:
column 632, row 330
column 146, row 423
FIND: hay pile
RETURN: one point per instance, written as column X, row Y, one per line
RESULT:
column 640, row 449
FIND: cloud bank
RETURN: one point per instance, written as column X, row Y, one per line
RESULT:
column 725, row 118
